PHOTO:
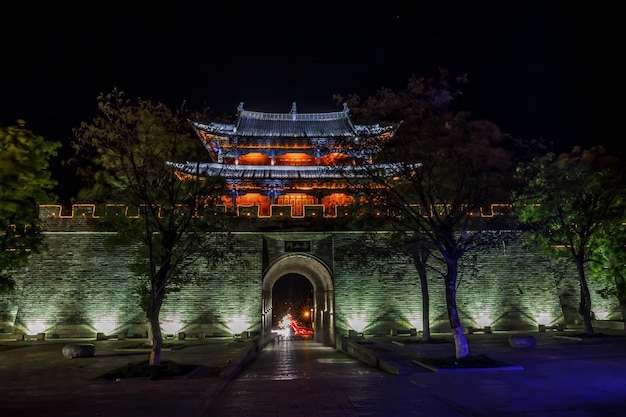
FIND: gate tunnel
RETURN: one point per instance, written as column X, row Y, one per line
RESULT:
column 318, row 274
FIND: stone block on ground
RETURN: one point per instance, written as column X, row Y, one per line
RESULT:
column 79, row 350
column 523, row 341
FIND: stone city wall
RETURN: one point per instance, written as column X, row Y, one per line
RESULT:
column 82, row 284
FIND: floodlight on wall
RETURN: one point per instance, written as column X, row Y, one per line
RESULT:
column 105, row 325
column 171, row 326
column 600, row 314
column 35, row 327
column 417, row 324
column 358, row 323
column 483, row 320
column 237, row 325
column 544, row 318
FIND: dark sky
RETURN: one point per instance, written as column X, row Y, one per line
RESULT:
column 537, row 68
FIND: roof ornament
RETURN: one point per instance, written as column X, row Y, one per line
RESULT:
column 293, row 111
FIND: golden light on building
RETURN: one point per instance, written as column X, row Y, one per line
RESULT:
column 284, row 160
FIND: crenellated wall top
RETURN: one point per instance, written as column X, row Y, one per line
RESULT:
column 93, row 211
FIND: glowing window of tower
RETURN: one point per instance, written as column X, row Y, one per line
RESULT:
column 254, row 158
column 295, row 159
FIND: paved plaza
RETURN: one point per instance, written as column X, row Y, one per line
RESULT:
column 563, row 375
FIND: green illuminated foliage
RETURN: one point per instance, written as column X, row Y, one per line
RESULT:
column 25, row 182
column 569, row 205
column 609, row 266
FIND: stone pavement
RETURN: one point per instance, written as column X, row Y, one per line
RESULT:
column 559, row 377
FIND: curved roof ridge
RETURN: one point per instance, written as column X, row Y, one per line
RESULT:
column 293, row 114
column 252, row 125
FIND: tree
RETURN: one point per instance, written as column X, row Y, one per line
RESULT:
column 565, row 202
column 610, row 266
column 439, row 170
column 25, row 182
column 123, row 155
column 373, row 251
column 420, row 250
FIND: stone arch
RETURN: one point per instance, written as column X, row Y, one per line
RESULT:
column 318, row 273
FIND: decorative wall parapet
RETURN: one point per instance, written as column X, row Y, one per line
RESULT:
column 51, row 211
column 93, row 211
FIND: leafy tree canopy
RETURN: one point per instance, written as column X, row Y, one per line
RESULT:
column 25, row 182
column 609, row 267
column 123, row 154
column 563, row 200
column 570, row 205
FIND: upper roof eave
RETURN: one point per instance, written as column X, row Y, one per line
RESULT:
column 284, row 171
column 254, row 124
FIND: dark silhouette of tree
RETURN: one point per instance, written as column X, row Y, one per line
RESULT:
column 25, row 183
column 373, row 251
column 432, row 179
column 123, row 155
column 565, row 203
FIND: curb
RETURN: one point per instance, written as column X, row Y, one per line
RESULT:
column 244, row 358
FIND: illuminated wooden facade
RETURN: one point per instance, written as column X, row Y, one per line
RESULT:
column 284, row 159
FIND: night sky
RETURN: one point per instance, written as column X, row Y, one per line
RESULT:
column 544, row 69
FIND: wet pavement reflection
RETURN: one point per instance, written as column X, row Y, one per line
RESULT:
column 294, row 377
column 559, row 377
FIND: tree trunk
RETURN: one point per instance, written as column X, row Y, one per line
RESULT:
column 585, row 299
column 157, row 343
column 620, row 288
column 155, row 326
column 460, row 341
column 421, row 272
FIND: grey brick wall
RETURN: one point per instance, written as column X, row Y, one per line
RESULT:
column 81, row 279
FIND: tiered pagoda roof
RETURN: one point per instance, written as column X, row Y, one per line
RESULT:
column 259, row 130
column 274, row 134
column 256, row 125
column 288, row 159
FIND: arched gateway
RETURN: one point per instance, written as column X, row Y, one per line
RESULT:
column 320, row 277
